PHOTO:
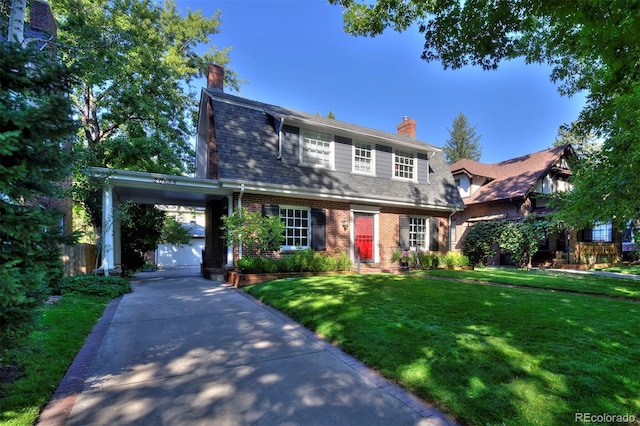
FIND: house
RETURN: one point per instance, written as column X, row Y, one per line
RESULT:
column 338, row 187
column 512, row 189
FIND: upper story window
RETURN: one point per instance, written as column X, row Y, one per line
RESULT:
column 363, row 158
column 316, row 149
column 404, row 165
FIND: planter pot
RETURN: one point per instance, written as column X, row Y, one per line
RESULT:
column 461, row 268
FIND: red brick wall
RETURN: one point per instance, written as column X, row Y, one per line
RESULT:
column 337, row 238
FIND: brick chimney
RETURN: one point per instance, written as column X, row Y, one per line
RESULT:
column 215, row 77
column 407, row 127
column 41, row 18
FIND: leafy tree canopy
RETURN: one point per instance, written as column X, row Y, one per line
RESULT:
column 137, row 63
column 591, row 47
column 462, row 142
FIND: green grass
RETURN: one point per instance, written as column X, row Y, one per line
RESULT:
column 552, row 280
column 626, row 269
column 46, row 355
column 484, row 354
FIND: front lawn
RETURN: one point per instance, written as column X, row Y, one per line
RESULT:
column 552, row 280
column 484, row 354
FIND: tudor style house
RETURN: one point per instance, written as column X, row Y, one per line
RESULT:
column 512, row 189
column 336, row 185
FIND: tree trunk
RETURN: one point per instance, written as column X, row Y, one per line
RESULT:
column 16, row 21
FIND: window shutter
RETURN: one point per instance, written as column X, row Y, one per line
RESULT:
column 318, row 229
column 403, row 226
column 587, row 235
column 270, row 210
column 434, row 226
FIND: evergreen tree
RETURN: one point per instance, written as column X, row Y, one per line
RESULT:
column 35, row 123
column 462, row 142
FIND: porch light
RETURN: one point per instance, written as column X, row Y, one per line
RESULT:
column 345, row 224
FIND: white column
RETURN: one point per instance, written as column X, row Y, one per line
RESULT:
column 230, row 247
column 107, row 229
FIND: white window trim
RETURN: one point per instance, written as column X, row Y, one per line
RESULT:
column 373, row 158
column 332, row 148
column 415, row 166
column 427, row 233
column 285, row 247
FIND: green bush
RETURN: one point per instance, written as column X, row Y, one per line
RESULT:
column 481, row 241
column 300, row 261
column 428, row 260
column 344, row 262
column 454, row 259
column 95, row 285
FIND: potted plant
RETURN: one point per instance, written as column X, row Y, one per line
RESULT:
column 402, row 256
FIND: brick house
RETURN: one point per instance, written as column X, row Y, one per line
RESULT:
column 337, row 186
column 512, row 189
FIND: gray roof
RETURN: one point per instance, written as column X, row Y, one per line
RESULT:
column 248, row 152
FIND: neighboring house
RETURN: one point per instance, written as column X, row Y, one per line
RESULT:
column 337, row 186
column 512, row 189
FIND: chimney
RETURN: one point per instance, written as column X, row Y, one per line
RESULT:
column 41, row 18
column 407, row 127
column 215, row 77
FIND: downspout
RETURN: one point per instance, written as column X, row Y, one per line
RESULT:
column 280, row 139
column 450, row 242
column 240, row 212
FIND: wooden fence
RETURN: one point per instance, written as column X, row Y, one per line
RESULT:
column 79, row 259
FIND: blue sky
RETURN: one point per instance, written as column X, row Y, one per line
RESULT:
column 295, row 54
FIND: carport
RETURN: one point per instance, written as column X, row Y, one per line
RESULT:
column 151, row 188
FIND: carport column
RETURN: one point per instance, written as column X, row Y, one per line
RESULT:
column 107, row 229
column 230, row 246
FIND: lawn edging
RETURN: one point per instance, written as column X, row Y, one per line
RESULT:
column 240, row 279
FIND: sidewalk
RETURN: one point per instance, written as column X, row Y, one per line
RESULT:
column 182, row 350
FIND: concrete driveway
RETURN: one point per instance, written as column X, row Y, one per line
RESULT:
column 182, row 350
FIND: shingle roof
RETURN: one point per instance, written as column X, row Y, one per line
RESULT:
column 512, row 178
column 248, row 152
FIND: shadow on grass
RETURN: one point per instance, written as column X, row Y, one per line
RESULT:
column 485, row 354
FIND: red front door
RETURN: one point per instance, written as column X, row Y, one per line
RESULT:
column 363, row 229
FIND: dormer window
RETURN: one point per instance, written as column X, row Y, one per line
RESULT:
column 404, row 165
column 363, row 158
column 316, row 149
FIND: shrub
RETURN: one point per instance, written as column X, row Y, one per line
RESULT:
column 428, row 260
column 95, row 285
column 455, row 259
column 344, row 262
column 481, row 241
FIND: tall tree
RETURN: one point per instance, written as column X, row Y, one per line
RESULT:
column 462, row 142
column 34, row 125
column 136, row 98
column 591, row 46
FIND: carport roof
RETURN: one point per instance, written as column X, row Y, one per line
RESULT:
column 158, row 188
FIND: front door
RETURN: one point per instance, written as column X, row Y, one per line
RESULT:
column 363, row 238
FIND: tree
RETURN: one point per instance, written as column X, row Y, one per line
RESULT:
column 141, row 230
column 522, row 239
column 591, row 47
column 462, row 142
column 481, row 241
column 137, row 62
column 35, row 122
column 259, row 234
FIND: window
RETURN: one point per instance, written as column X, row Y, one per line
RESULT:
column 418, row 232
column 601, row 232
column 316, row 149
column 363, row 158
column 454, row 230
column 296, row 223
column 404, row 165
